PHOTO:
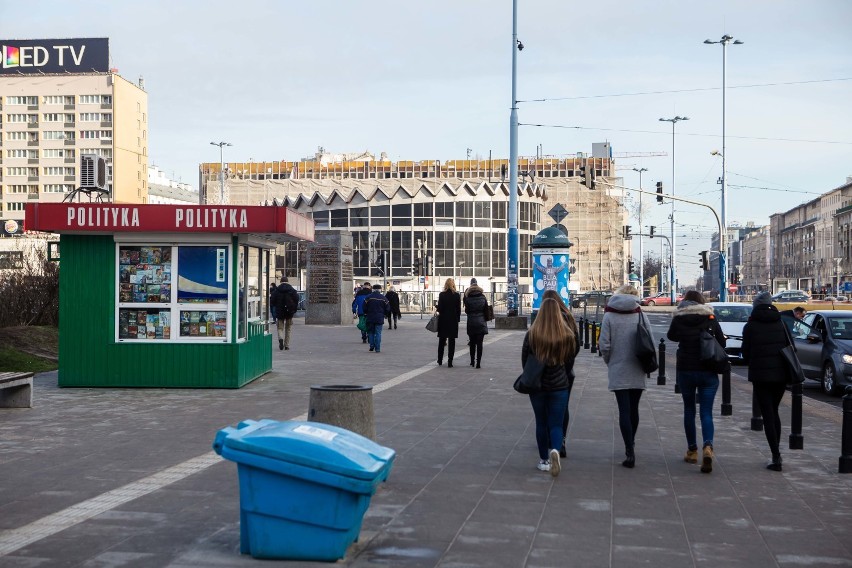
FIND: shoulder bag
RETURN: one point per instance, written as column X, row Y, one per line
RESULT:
column 432, row 324
column 646, row 351
column 362, row 323
column 713, row 355
column 530, row 380
column 795, row 373
column 489, row 312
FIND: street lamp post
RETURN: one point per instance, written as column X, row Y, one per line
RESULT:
column 513, row 244
column 641, row 259
column 723, row 276
column 673, row 285
column 221, row 169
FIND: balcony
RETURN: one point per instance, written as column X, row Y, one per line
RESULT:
column 70, row 160
column 69, row 141
column 71, row 178
column 32, row 161
column 69, row 125
column 32, row 124
column 32, row 142
column 106, row 124
column 105, row 141
column 32, row 178
column 106, row 106
column 32, row 196
column 69, row 107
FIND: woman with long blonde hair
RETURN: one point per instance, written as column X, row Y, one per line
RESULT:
column 449, row 316
column 572, row 324
column 553, row 343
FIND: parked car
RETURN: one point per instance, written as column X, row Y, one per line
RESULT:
column 661, row 299
column 824, row 344
column 789, row 296
column 591, row 298
column 732, row 317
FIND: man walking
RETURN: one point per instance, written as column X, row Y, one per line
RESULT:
column 393, row 300
column 376, row 308
column 358, row 306
column 286, row 302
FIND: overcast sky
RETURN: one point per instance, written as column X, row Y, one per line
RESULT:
column 428, row 80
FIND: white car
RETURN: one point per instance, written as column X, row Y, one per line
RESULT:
column 732, row 317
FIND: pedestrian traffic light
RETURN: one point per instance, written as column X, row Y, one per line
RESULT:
column 705, row 260
column 659, row 192
column 626, row 231
column 651, row 231
column 631, row 266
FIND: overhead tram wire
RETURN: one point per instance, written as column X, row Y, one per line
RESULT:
column 695, row 90
column 685, row 134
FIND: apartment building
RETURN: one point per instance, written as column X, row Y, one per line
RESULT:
column 58, row 101
column 454, row 212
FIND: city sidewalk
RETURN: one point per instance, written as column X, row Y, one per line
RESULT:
column 126, row 477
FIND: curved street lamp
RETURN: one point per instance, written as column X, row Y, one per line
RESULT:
column 221, row 169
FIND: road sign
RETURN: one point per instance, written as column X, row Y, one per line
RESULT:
column 732, row 288
column 557, row 213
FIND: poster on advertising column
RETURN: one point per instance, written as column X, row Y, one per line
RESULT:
column 550, row 272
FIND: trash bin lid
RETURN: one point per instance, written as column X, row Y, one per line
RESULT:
column 311, row 444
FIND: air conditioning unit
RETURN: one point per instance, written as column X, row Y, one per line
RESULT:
column 93, row 172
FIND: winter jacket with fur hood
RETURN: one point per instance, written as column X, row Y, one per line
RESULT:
column 474, row 306
column 618, row 342
column 687, row 323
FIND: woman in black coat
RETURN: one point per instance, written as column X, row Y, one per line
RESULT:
column 764, row 336
column 475, row 305
column 449, row 316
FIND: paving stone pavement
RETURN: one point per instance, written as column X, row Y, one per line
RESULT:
column 126, row 477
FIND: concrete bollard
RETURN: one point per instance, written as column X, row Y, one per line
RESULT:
column 846, row 436
column 345, row 406
column 594, row 337
column 661, row 359
column 797, row 441
column 756, row 416
column 727, row 409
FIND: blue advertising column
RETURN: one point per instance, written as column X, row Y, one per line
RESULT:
column 551, row 264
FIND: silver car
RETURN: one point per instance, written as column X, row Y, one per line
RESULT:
column 732, row 318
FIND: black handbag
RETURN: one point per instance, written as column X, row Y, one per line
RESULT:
column 795, row 374
column 432, row 324
column 530, row 380
column 713, row 355
column 646, row 351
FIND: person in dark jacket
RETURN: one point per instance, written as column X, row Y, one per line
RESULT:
column 475, row 305
column 376, row 308
column 691, row 318
column 393, row 300
column 272, row 288
column 286, row 302
column 358, row 306
column 764, row 337
column 449, row 316
column 572, row 325
column 553, row 343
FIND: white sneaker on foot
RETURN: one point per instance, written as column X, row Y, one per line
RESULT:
column 543, row 465
column 555, row 466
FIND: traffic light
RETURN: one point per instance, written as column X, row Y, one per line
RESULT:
column 651, row 231
column 626, row 230
column 416, row 266
column 592, row 175
column 705, row 260
column 631, row 266
column 659, row 192
column 583, row 176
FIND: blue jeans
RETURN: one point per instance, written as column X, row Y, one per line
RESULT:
column 374, row 334
column 705, row 384
column 549, row 408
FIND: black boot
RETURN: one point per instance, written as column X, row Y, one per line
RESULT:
column 775, row 464
column 630, row 462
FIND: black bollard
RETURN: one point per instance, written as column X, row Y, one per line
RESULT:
column 661, row 360
column 727, row 409
column 594, row 337
column 600, row 328
column 581, row 328
column 588, row 333
column 797, row 441
column 756, row 416
column 846, row 436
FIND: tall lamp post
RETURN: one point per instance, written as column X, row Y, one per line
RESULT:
column 673, row 284
column 513, row 244
column 641, row 259
column 723, row 235
column 221, row 169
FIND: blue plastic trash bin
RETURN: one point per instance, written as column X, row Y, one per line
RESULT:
column 304, row 486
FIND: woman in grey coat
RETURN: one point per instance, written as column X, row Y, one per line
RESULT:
column 626, row 377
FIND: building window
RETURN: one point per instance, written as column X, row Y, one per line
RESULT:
column 359, row 217
column 32, row 154
column 482, row 213
column 57, row 188
column 57, row 153
column 339, row 217
column 401, row 215
column 15, row 206
column 423, row 215
column 464, row 253
column 21, row 118
column 379, row 215
column 444, row 213
column 464, row 214
column 498, row 214
column 19, row 100
column 59, row 135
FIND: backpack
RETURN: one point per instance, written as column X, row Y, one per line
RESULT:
column 289, row 303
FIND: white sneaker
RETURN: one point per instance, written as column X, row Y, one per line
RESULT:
column 555, row 466
column 543, row 465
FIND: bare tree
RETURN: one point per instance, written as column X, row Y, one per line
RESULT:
column 29, row 293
